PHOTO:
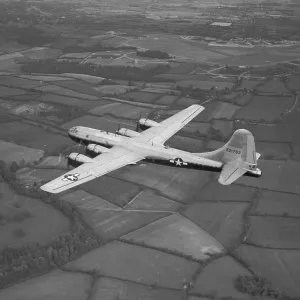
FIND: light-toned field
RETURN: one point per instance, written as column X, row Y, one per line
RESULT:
column 150, row 200
column 273, row 150
column 81, row 55
column 277, row 204
column 113, row 190
column 294, row 82
column 182, row 68
column 273, row 86
column 280, row 267
column 9, row 65
column 274, row 232
column 217, row 192
column 10, row 152
column 114, row 89
column 45, row 77
column 41, row 53
column 185, row 102
column 224, row 127
column 185, row 143
column 7, row 91
column 18, row 82
column 54, row 285
column 79, row 86
column 88, row 202
column 30, row 175
column 205, row 85
column 224, row 221
column 180, row 184
column 179, row 234
column 102, row 123
column 27, row 220
column 218, row 279
column 217, row 110
column 112, row 289
column 116, row 259
column 59, row 162
column 282, row 176
column 72, row 101
column 33, row 137
column 65, row 92
column 277, row 133
column 123, row 110
column 256, row 109
column 174, row 45
column 166, row 100
column 141, row 97
column 112, row 224
column 87, row 78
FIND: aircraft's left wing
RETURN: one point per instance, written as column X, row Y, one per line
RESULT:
column 107, row 162
column 158, row 135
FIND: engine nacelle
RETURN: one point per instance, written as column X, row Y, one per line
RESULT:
column 96, row 148
column 148, row 123
column 128, row 132
column 80, row 158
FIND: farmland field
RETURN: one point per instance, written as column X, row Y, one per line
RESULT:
column 224, row 221
column 273, row 150
column 166, row 100
column 116, row 259
column 205, row 85
column 224, row 127
column 140, row 97
column 218, row 278
column 58, row 162
column 114, row 89
column 248, row 84
column 113, row 190
column 18, row 82
column 46, row 77
column 54, row 285
column 186, row 144
column 178, row 234
column 6, row 92
column 121, row 110
column 280, row 267
column 111, row 289
column 185, row 102
column 274, row 232
column 10, row 152
column 84, row 77
column 149, row 200
column 255, row 109
column 294, row 82
column 27, row 220
column 273, row 86
column 182, row 68
column 166, row 180
column 243, row 99
column 79, row 86
column 81, row 55
column 278, row 204
column 107, row 124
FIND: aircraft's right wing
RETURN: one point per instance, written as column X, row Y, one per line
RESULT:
column 104, row 163
column 158, row 135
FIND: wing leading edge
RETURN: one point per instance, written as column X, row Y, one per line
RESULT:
column 158, row 135
column 101, row 165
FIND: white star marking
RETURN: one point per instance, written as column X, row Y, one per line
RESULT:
column 178, row 162
column 71, row 177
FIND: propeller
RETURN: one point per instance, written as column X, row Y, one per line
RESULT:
column 138, row 124
column 118, row 128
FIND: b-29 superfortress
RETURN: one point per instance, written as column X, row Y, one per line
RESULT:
column 116, row 150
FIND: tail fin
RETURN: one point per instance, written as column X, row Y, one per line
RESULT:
column 238, row 156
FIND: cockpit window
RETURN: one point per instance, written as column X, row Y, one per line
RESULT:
column 73, row 130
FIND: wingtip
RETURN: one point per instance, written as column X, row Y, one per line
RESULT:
column 47, row 189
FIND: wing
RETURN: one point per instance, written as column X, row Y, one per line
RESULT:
column 114, row 159
column 170, row 126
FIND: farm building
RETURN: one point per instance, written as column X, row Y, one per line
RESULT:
column 221, row 24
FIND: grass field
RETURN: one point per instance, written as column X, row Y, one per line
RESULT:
column 294, row 82
column 150, row 200
column 87, row 78
column 112, row 224
column 6, row 92
column 107, row 124
column 273, row 150
column 217, row 192
column 113, row 190
column 10, row 152
column 79, row 86
column 276, row 133
column 273, row 86
column 205, row 85
column 151, row 267
column 243, row 99
column 46, row 77
column 54, row 285
column 218, row 279
column 182, row 68
column 180, row 184
column 185, row 143
column 41, row 53
column 59, row 162
column 141, row 97
column 278, row 175
column 255, row 109
column 224, row 127
column 65, row 92
column 111, row 289
column 18, row 82
column 277, row 204
column 248, row 84
column 185, row 102
column 280, row 267
column 224, row 221
column 274, row 232
column 123, row 110
column 166, row 100
column 33, row 137
column 27, row 220
column 72, row 101
column 114, row 89
column 81, row 55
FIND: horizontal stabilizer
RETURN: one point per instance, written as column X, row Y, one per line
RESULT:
column 230, row 173
column 257, row 155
